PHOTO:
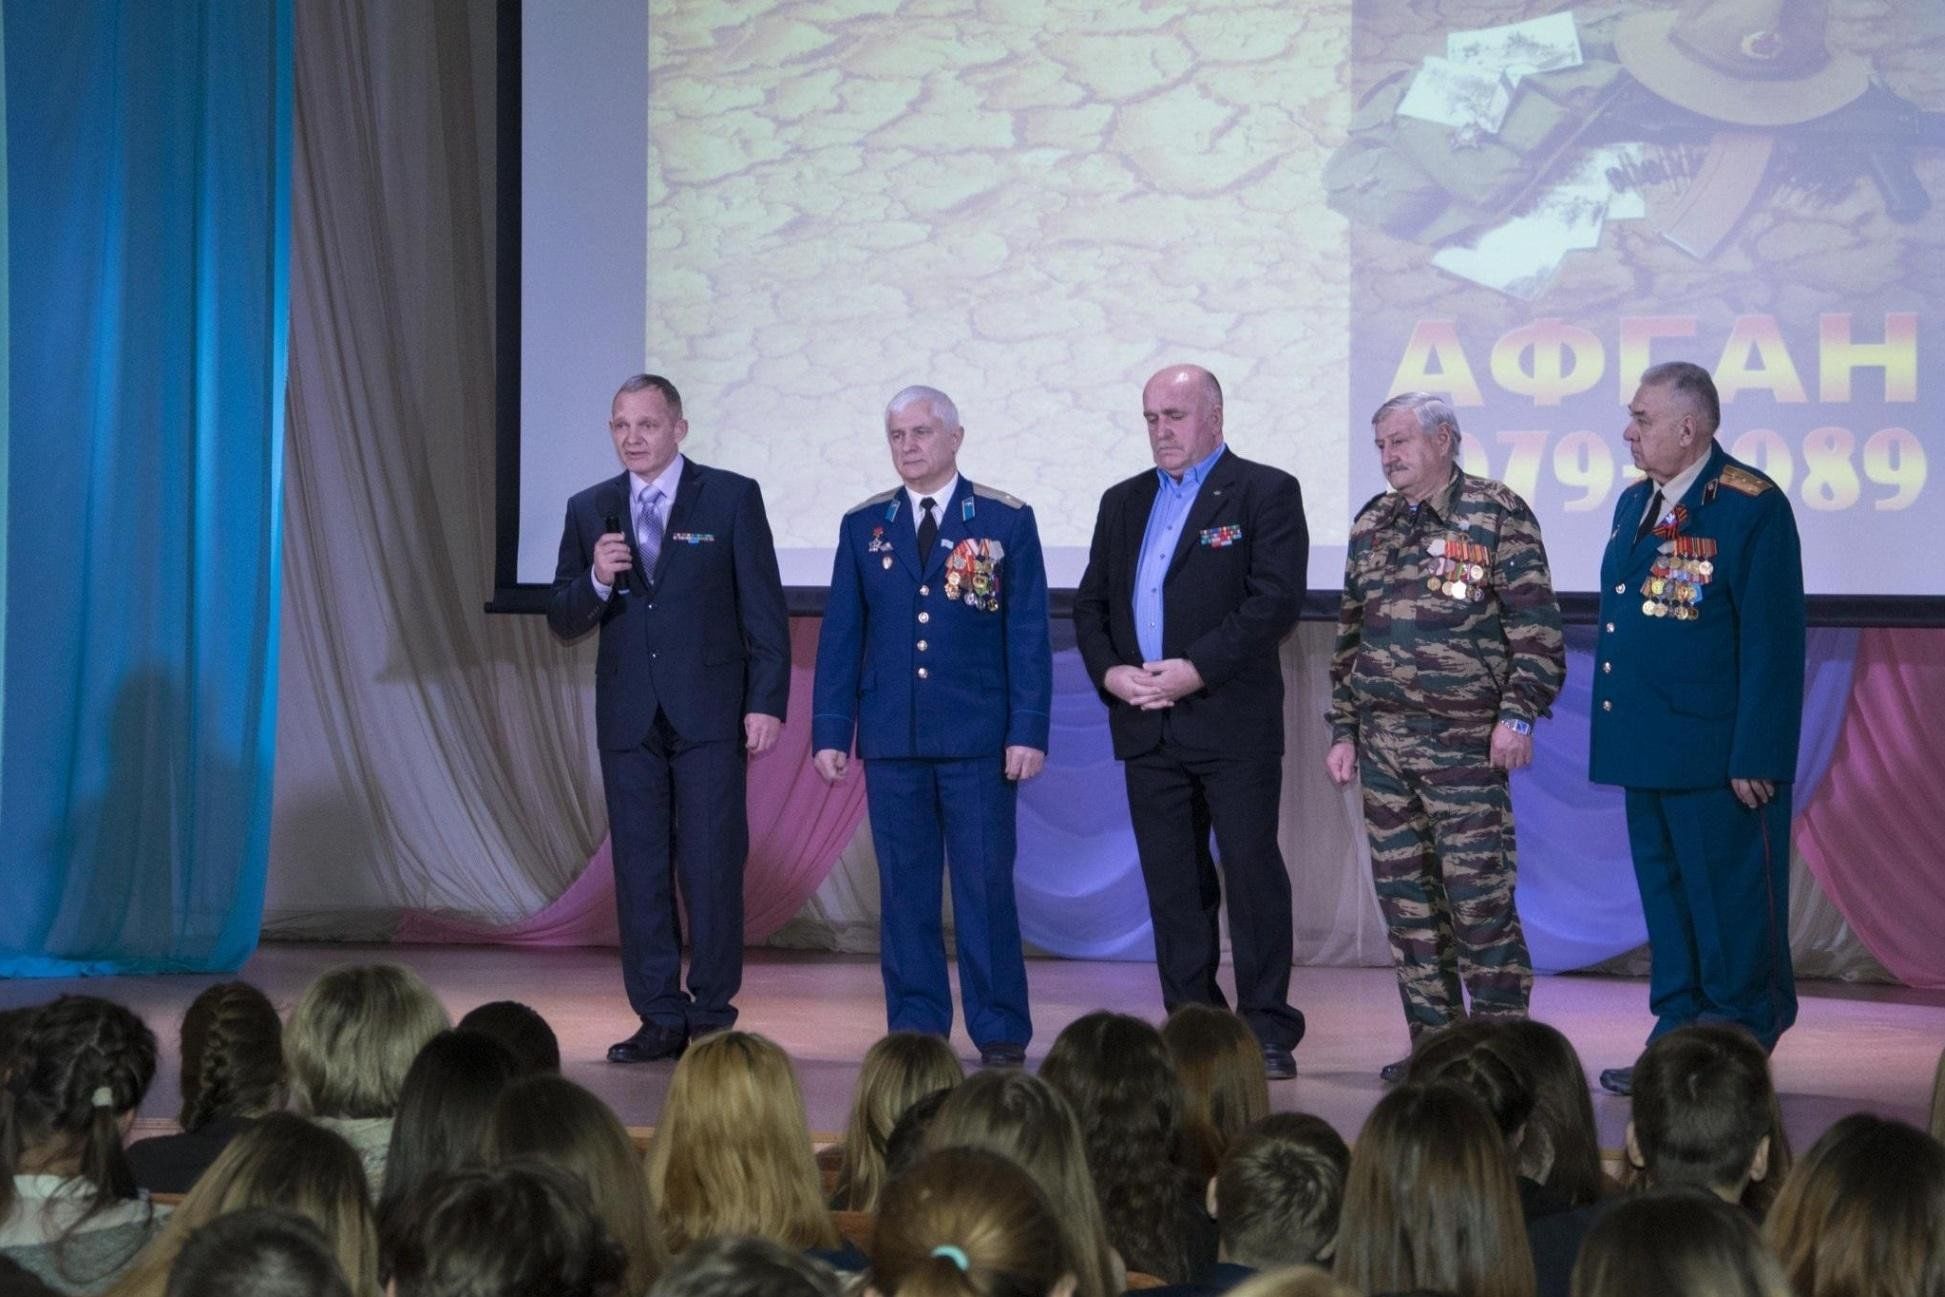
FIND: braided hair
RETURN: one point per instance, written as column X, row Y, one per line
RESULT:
column 80, row 1065
column 232, row 1055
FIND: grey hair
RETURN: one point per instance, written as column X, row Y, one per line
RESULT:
column 941, row 405
column 1694, row 385
column 1434, row 412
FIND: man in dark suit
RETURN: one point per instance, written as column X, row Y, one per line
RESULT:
column 1195, row 575
column 935, row 654
column 1698, row 707
column 673, row 561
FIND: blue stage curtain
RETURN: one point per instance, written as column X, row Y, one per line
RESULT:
column 148, row 150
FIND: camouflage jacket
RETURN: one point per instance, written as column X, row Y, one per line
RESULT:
column 1448, row 612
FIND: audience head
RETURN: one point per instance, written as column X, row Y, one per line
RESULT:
column 551, row 1120
column 443, row 1109
column 906, row 1143
column 1280, row 1190
column 1022, row 1118
column 1473, row 1056
column 81, row 1066
column 506, row 1231
column 1704, row 1112
column 353, row 1036
column 257, row 1252
column 1224, row 1087
column 523, row 1031
column 1116, row 1073
column 232, row 1055
column 736, row 1267
column 283, row 1162
column 731, row 1153
column 1682, row 1240
column 898, row 1069
column 968, row 1223
column 1562, row 1148
column 1430, row 1203
column 1863, row 1214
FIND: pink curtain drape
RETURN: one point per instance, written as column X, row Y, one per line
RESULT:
column 1874, row 832
column 798, row 827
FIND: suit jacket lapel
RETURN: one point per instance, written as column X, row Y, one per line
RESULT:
column 686, row 491
column 1134, row 525
column 1208, row 501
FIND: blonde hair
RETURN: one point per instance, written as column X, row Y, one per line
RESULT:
column 280, row 1161
column 1023, row 1118
column 1225, row 1088
column 353, row 1036
column 967, row 1223
column 1294, row 1281
column 1431, row 1202
column 548, row 1119
column 731, row 1154
column 898, row 1070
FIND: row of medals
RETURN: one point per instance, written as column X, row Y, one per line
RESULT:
column 1458, row 569
column 1674, row 584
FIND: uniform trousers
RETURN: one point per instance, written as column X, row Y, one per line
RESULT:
column 676, row 811
column 925, row 813
column 1443, row 858
column 1715, row 890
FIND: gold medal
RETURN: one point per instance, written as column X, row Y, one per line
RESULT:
column 1435, row 585
column 1706, row 568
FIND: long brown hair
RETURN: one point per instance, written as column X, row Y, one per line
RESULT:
column 548, row 1119
column 1562, row 1148
column 1225, row 1088
column 1863, row 1214
column 898, row 1069
column 1431, row 1201
column 731, row 1154
column 281, row 1161
column 1679, row 1240
column 232, row 1055
column 967, row 1223
column 1023, row 1118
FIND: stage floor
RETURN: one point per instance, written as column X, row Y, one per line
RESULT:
column 1854, row 1047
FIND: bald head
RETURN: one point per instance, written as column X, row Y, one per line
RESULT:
column 1182, row 406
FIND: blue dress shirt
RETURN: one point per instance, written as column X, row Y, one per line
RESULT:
column 1171, row 509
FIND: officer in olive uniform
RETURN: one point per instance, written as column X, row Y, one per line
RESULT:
column 1449, row 648
column 935, row 653
column 1698, row 705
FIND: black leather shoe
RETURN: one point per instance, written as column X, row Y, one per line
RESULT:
column 1393, row 1072
column 1278, row 1063
column 1618, row 1080
column 1002, row 1055
column 652, row 1044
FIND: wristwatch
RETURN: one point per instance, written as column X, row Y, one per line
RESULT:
column 1517, row 725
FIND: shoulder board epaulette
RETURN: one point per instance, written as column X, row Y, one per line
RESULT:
column 1741, row 479
column 879, row 498
column 994, row 493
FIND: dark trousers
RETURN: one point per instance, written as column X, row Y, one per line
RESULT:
column 1715, row 890
column 1176, row 796
column 925, row 813
column 676, row 813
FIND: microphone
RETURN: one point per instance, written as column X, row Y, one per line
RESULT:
column 612, row 524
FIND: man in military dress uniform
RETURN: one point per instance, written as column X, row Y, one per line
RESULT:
column 1698, row 705
column 935, row 653
column 1448, row 649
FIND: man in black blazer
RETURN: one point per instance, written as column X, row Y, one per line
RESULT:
column 674, row 563
column 1195, row 575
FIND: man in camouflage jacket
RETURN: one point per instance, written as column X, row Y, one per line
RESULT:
column 1448, row 649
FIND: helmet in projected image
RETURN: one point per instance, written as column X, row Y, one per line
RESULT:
column 1750, row 62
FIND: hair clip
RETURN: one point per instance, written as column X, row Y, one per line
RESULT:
column 103, row 1097
column 954, row 1255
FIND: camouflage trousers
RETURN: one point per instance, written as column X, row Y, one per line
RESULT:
column 1440, row 821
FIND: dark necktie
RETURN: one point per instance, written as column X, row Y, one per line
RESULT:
column 928, row 529
column 1649, row 519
